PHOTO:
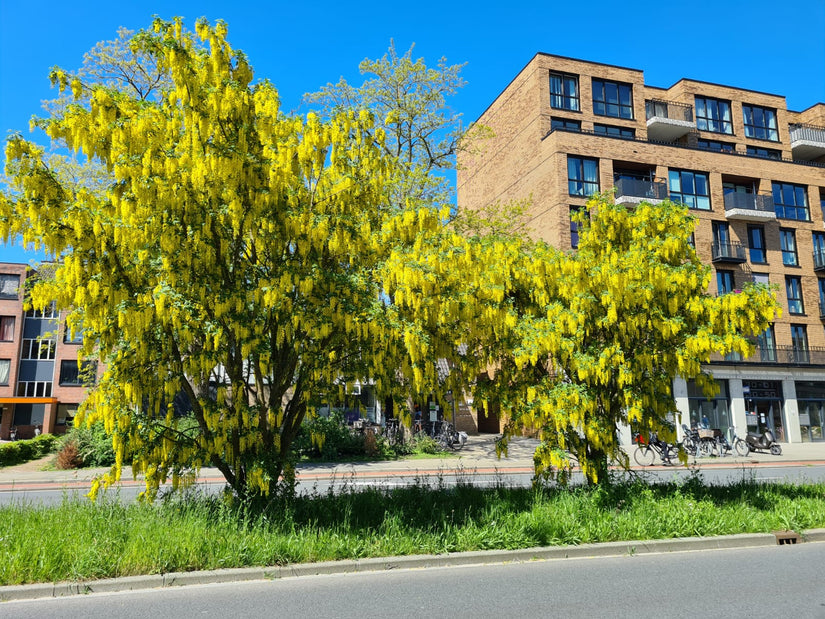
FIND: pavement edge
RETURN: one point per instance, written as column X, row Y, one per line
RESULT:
column 607, row 549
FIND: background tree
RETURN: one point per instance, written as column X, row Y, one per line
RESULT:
column 417, row 127
column 232, row 258
column 579, row 343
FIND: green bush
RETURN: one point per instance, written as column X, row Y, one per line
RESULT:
column 92, row 443
column 339, row 440
column 19, row 452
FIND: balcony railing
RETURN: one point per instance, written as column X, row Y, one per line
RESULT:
column 778, row 355
column 728, row 252
column 637, row 190
column 658, row 108
column 807, row 141
column 819, row 260
column 749, row 206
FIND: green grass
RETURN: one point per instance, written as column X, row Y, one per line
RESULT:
column 79, row 540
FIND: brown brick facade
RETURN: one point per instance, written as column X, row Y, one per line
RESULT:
column 527, row 157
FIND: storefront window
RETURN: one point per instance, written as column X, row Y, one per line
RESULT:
column 711, row 413
column 810, row 396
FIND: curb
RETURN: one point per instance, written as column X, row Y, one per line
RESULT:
column 606, row 549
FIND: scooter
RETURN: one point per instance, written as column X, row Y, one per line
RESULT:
column 763, row 442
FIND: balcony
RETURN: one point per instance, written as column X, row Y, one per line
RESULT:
column 807, row 141
column 631, row 192
column 728, row 252
column 749, row 207
column 667, row 120
column 778, row 355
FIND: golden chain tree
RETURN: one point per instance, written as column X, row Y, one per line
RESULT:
column 231, row 259
column 578, row 342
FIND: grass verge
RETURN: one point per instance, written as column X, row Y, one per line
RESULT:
column 80, row 540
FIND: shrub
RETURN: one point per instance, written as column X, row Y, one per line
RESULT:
column 19, row 452
column 69, row 456
column 92, row 446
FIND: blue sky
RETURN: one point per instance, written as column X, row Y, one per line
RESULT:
column 771, row 46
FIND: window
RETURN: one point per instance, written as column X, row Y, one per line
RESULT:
column 765, row 153
column 6, row 328
column 724, row 282
column 760, row 123
column 799, row 341
column 821, row 297
column 766, row 342
column 72, row 374
column 818, row 242
column 721, row 233
column 618, row 132
column 724, row 147
column 713, row 115
column 791, row 201
column 38, row 349
column 67, row 335
column 49, row 312
column 34, row 389
column 612, row 99
column 9, row 285
column 5, row 368
column 787, row 241
column 756, row 243
column 793, row 286
column 761, row 278
column 564, row 123
column 564, row 91
column 29, row 414
column 582, row 176
column 575, row 226
column 690, row 188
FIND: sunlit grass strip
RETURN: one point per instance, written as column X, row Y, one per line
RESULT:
column 78, row 541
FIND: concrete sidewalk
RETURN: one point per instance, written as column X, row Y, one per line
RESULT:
column 478, row 455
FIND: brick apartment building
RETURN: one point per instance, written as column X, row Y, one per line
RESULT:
column 41, row 383
column 752, row 172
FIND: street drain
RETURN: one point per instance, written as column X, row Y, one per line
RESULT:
column 784, row 538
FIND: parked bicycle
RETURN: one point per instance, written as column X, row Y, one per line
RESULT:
column 445, row 434
column 646, row 452
column 734, row 444
column 393, row 432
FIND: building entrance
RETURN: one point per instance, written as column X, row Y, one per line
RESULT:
column 763, row 408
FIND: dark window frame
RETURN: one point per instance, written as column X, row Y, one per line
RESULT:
column 790, row 254
column 567, row 124
column 9, row 277
column 705, row 122
column 793, row 292
column 760, row 130
column 6, row 319
column 8, row 372
column 573, row 181
column 614, row 131
column 792, row 209
column 725, row 281
column 566, row 100
column 693, row 200
column 754, row 247
column 602, row 104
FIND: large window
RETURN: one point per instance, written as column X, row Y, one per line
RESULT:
column 6, row 328
column 713, row 115
column 799, row 342
column 760, row 122
column 73, row 374
column 612, row 99
column 821, row 297
column 756, row 244
column 5, row 368
column 575, row 226
column 68, row 338
column 791, row 201
column 793, row 286
column 50, row 311
column 766, row 342
column 724, row 281
column 690, row 188
column 582, row 176
column 564, row 91
column 723, row 147
column 787, row 241
column 9, row 285
column 38, row 349
column 711, row 412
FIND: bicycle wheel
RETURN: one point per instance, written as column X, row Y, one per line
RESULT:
column 741, row 447
column 644, row 456
column 689, row 446
column 706, row 448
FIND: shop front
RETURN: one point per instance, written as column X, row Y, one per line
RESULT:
column 810, row 396
column 763, row 407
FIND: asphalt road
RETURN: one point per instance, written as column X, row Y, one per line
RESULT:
column 772, row 581
column 51, row 494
